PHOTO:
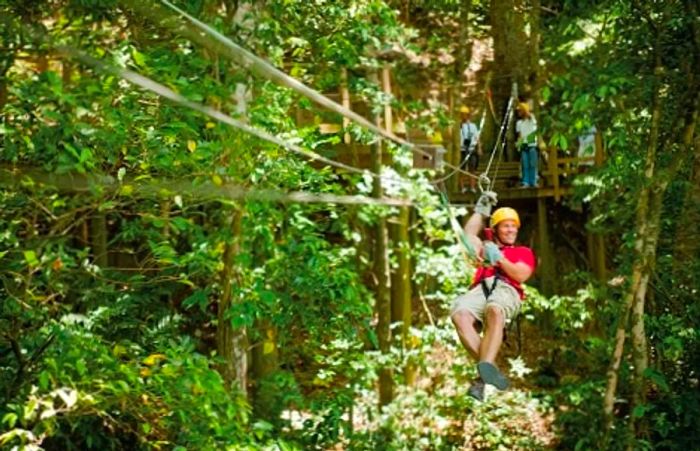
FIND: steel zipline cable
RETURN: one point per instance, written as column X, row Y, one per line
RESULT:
column 228, row 190
column 85, row 183
column 261, row 67
column 232, row 191
column 159, row 89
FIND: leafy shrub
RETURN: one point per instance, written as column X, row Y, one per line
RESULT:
column 90, row 394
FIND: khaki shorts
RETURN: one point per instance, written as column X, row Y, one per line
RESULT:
column 504, row 296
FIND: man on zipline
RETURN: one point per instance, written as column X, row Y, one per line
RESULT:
column 496, row 294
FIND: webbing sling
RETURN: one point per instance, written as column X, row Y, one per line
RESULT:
column 484, row 286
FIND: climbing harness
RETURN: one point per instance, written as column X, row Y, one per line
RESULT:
column 484, row 286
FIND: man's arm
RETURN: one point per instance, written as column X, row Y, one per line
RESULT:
column 517, row 271
column 472, row 230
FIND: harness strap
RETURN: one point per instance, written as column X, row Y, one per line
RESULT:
column 484, row 286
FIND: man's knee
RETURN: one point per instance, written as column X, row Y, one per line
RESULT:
column 463, row 318
column 495, row 315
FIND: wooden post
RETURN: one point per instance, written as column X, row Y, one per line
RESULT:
column 554, row 171
column 599, row 150
column 599, row 264
column 386, row 87
column 546, row 271
column 66, row 73
column 345, row 99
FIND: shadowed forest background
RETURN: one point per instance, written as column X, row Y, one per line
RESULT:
column 169, row 280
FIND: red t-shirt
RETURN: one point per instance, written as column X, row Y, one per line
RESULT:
column 514, row 254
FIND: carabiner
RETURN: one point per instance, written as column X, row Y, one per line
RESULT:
column 484, row 182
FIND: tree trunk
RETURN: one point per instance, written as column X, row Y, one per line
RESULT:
column 531, row 89
column 687, row 247
column 686, row 244
column 265, row 356
column 645, row 251
column 457, row 96
column 3, row 93
column 383, row 281
column 510, row 59
column 401, row 308
column 231, row 343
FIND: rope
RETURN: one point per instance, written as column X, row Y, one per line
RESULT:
column 157, row 88
column 161, row 90
column 267, row 70
column 85, row 183
column 500, row 154
column 501, row 132
column 468, row 251
column 261, row 67
column 237, row 192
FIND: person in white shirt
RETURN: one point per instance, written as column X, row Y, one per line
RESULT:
column 526, row 130
column 470, row 148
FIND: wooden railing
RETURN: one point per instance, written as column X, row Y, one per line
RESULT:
column 557, row 166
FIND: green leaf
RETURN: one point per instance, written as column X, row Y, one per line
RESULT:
column 30, row 258
column 81, row 367
column 640, row 410
column 10, row 419
column 139, row 58
column 44, row 380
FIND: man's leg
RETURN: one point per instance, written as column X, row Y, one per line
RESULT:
column 523, row 166
column 503, row 306
column 531, row 166
column 491, row 343
column 465, row 323
column 494, row 320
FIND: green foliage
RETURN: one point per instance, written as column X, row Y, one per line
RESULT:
column 91, row 394
column 111, row 296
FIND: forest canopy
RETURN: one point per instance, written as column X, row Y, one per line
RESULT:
column 230, row 224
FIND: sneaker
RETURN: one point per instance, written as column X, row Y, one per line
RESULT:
column 476, row 390
column 491, row 375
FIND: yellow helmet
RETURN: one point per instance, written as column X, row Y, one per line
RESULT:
column 465, row 110
column 523, row 107
column 503, row 214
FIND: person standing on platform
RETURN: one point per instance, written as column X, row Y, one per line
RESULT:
column 470, row 149
column 526, row 131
